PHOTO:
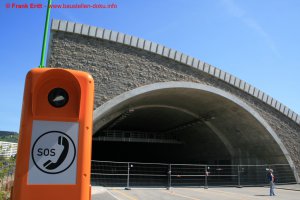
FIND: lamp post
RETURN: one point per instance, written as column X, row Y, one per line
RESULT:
column 42, row 63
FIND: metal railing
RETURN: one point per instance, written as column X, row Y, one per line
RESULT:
column 134, row 174
column 136, row 136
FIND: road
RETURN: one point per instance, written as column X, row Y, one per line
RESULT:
column 246, row 193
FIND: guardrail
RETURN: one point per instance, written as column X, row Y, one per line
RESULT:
column 135, row 174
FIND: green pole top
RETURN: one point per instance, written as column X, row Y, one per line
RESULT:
column 42, row 63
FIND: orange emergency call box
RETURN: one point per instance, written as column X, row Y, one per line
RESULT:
column 54, row 150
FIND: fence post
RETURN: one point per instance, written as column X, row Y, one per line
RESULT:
column 295, row 174
column 169, row 177
column 128, row 174
column 206, row 176
column 239, row 177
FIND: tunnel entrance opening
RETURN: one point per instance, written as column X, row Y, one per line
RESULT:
column 183, row 125
column 160, row 134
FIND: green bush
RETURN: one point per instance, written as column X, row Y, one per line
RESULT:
column 7, row 167
column 4, row 195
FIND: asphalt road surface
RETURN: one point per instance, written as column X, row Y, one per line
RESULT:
column 246, row 193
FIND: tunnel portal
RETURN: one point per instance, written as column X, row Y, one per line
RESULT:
column 183, row 125
column 157, row 104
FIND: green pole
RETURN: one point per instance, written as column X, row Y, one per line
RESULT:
column 42, row 63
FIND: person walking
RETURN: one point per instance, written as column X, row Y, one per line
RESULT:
column 271, row 179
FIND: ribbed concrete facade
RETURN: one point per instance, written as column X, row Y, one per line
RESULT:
column 120, row 63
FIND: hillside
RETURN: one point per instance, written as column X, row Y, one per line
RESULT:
column 9, row 136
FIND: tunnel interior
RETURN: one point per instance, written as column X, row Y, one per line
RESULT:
column 183, row 125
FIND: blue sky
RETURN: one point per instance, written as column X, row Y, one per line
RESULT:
column 255, row 40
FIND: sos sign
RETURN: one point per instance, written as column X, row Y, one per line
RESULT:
column 53, row 152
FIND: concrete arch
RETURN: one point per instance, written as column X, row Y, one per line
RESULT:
column 107, row 109
column 152, row 47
